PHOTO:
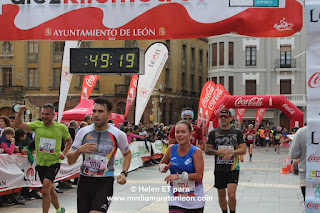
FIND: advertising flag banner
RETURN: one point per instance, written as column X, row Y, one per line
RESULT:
column 205, row 97
column 239, row 115
column 312, row 202
column 155, row 59
column 218, row 93
column 131, row 93
column 146, row 19
column 259, row 116
column 66, row 76
column 87, row 85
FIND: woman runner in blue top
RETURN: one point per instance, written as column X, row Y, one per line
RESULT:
column 186, row 165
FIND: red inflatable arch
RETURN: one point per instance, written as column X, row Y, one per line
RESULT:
column 259, row 101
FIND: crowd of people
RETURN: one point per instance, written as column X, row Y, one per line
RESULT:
column 96, row 139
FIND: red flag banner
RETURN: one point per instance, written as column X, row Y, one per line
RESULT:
column 131, row 93
column 205, row 97
column 259, row 116
column 218, row 93
column 87, row 85
column 146, row 19
column 239, row 115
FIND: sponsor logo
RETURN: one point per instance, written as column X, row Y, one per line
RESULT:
column 218, row 110
column 283, row 26
column 314, row 174
column 289, row 109
column 312, row 205
column 254, row 102
column 314, row 158
column 209, row 91
column 216, row 96
column 162, row 31
column 261, row 112
column 90, row 80
column 314, row 81
column 47, row 32
column 241, row 111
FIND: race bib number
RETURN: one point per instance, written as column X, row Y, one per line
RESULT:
column 221, row 159
column 95, row 165
column 47, row 145
column 277, row 137
column 267, row 138
column 183, row 188
column 250, row 137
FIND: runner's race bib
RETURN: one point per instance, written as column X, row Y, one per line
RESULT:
column 250, row 137
column 95, row 165
column 267, row 138
column 220, row 159
column 47, row 145
column 277, row 137
column 183, row 188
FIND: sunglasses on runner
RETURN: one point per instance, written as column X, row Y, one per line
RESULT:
column 224, row 116
column 187, row 119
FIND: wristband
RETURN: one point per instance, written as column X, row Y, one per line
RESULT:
column 161, row 166
column 184, row 176
column 78, row 151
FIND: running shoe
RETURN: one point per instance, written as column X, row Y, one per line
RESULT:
column 250, row 158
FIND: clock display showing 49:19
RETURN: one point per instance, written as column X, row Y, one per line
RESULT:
column 129, row 61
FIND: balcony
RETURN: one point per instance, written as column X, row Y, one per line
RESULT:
column 297, row 99
column 12, row 91
column 121, row 89
column 286, row 63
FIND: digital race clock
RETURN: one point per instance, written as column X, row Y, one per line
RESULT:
column 129, row 61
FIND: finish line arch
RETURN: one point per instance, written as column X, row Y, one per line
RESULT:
column 260, row 101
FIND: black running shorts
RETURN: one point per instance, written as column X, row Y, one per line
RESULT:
column 93, row 193
column 177, row 209
column 48, row 172
column 248, row 144
column 223, row 178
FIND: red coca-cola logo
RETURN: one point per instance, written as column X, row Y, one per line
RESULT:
column 241, row 111
column 289, row 109
column 254, row 102
column 209, row 91
column 314, row 158
column 90, row 80
column 220, row 108
column 314, row 81
column 312, row 205
column 261, row 112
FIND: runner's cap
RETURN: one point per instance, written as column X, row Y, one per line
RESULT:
column 187, row 113
column 226, row 111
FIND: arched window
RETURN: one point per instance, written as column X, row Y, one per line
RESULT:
column 121, row 108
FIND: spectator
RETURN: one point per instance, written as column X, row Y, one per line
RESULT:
column 87, row 119
column 131, row 135
column 20, row 140
column 298, row 151
column 110, row 122
column 4, row 122
column 72, row 129
column 7, row 140
column 12, row 118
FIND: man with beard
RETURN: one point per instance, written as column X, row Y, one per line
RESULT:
column 98, row 144
column 48, row 141
column 226, row 143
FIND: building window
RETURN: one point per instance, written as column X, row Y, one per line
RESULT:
column 168, row 44
column 6, row 47
column 121, row 108
column 193, row 57
column 192, row 82
column 200, row 84
column 231, row 53
column 7, row 76
column 221, row 80
column 251, row 53
column 221, row 52
column 251, row 87
column 33, row 47
column 200, row 59
column 183, row 80
column 131, row 43
column 58, row 46
column 167, row 78
column 285, row 86
column 285, row 56
column 85, row 44
column 231, row 85
column 56, row 77
column 184, row 54
column 33, row 77
column 214, row 79
column 214, row 54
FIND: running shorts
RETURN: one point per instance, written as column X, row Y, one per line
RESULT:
column 93, row 193
column 48, row 172
column 223, row 178
column 177, row 209
column 248, row 143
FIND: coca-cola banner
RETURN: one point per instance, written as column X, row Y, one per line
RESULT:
column 66, row 76
column 260, row 101
column 259, row 116
column 205, row 97
column 155, row 59
column 87, row 85
column 131, row 93
column 313, row 102
column 239, row 115
column 146, row 19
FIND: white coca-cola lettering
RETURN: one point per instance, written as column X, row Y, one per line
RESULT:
column 260, row 112
column 314, row 80
column 289, row 109
column 90, row 80
column 314, row 158
column 312, row 205
column 253, row 102
column 216, row 96
column 220, row 108
column 209, row 92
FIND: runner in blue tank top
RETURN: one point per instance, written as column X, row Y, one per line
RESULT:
column 186, row 167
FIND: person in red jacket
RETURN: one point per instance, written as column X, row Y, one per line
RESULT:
column 7, row 141
column 249, row 135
